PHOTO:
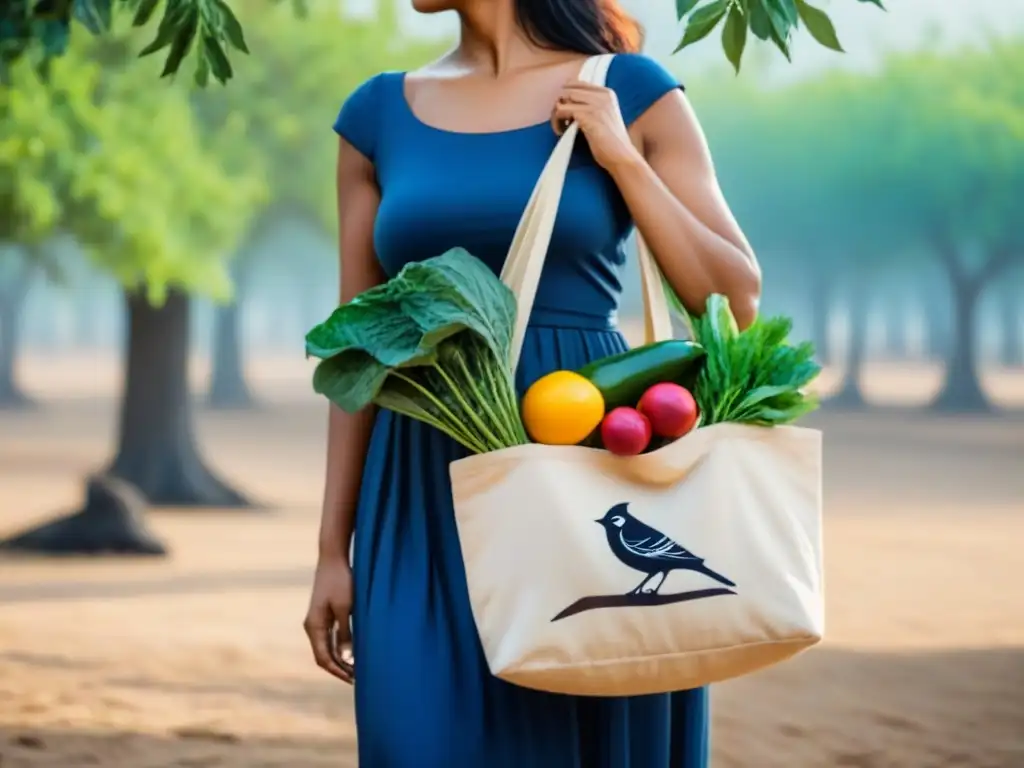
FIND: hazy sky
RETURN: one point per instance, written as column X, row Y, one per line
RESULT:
column 864, row 30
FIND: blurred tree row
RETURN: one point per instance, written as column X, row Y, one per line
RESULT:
column 857, row 180
column 168, row 189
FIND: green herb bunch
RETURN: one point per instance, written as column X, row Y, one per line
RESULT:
column 754, row 376
column 433, row 344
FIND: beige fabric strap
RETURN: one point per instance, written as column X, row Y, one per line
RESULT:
column 526, row 256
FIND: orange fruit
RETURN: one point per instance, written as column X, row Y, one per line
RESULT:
column 562, row 408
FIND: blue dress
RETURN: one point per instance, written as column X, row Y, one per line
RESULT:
column 424, row 695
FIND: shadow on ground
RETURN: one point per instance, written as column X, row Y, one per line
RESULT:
column 829, row 707
column 832, row 707
column 186, row 748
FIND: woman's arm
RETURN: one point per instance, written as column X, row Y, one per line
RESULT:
column 664, row 172
column 673, row 194
column 348, row 435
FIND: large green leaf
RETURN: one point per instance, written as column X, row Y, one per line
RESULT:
column 819, row 25
column 759, row 22
column 734, row 37
column 351, row 380
column 683, row 7
column 373, row 323
column 454, row 292
column 702, row 21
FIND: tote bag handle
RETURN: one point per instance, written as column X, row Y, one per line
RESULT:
column 526, row 256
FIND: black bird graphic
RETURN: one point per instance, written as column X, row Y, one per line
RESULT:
column 649, row 551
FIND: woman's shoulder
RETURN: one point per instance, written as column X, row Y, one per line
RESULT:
column 639, row 81
column 359, row 119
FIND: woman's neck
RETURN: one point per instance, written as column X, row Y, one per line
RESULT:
column 492, row 42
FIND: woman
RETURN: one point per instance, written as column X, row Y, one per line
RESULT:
column 444, row 157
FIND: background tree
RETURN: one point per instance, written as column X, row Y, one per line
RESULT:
column 955, row 130
column 913, row 170
column 118, row 164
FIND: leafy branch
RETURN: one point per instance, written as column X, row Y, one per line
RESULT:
column 769, row 20
column 208, row 29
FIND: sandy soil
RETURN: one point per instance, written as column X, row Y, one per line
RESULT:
column 198, row 660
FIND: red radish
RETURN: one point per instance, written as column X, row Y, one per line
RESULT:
column 670, row 408
column 625, row 431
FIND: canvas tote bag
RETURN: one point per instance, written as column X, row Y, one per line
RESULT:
column 595, row 574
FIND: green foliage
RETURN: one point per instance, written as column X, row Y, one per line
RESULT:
column 208, row 29
column 433, row 343
column 853, row 168
column 97, row 152
column 40, row 30
column 770, row 20
column 275, row 119
column 752, row 376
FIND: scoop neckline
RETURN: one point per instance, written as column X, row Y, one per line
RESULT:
column 407, row 107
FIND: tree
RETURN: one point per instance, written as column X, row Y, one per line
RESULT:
column 209, row 28
column 921, row 162
column 956, row 129
column 98, row 152
column 792, row 173
column 286, row 99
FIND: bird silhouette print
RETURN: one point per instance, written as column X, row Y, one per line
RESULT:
column 652, row 553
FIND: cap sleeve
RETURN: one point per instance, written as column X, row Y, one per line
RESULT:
column 638, row 82
column 357, row 122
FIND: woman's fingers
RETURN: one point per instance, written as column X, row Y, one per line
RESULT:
column 319, row 626
column 565, row 113
column 341, row 650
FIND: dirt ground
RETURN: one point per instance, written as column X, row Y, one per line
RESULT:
column 198, row 661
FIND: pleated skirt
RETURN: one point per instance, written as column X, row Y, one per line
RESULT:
column 424, row 695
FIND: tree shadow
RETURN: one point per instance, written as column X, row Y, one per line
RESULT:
column 185, row 747
column 828, row 707
column 834, row 707
column 180, row 584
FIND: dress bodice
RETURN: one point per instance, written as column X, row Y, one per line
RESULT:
column 442, row 189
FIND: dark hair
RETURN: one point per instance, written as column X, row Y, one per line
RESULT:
column 585, row 26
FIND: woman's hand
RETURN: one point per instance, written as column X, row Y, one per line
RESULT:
column 327, row 621
column 596, row 110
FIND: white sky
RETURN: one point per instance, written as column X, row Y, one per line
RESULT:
column 864, row 30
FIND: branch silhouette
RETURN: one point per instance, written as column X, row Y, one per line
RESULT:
column 638, row 601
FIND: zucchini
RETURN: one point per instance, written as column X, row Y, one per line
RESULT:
column 623, row 378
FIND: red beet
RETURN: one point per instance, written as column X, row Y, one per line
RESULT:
column 670, row 408
column 625, row 431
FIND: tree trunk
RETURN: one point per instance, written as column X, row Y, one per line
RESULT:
column 961, row 390
column 937, row 322
column 1011, row 343
column 110, row 523
column 229, row 389
column 894, row 323
column 821, row 306
column 157, row 449
column 850, row 395
column 12, row 301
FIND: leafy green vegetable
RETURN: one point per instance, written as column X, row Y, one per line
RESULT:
column 752, row 376
column 433, row 343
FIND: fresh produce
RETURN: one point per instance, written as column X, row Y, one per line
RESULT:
column 754, row 376
column 562, row 408
column 625, row 431
column 624, row 378
column 433, row 344
column 670, row 409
